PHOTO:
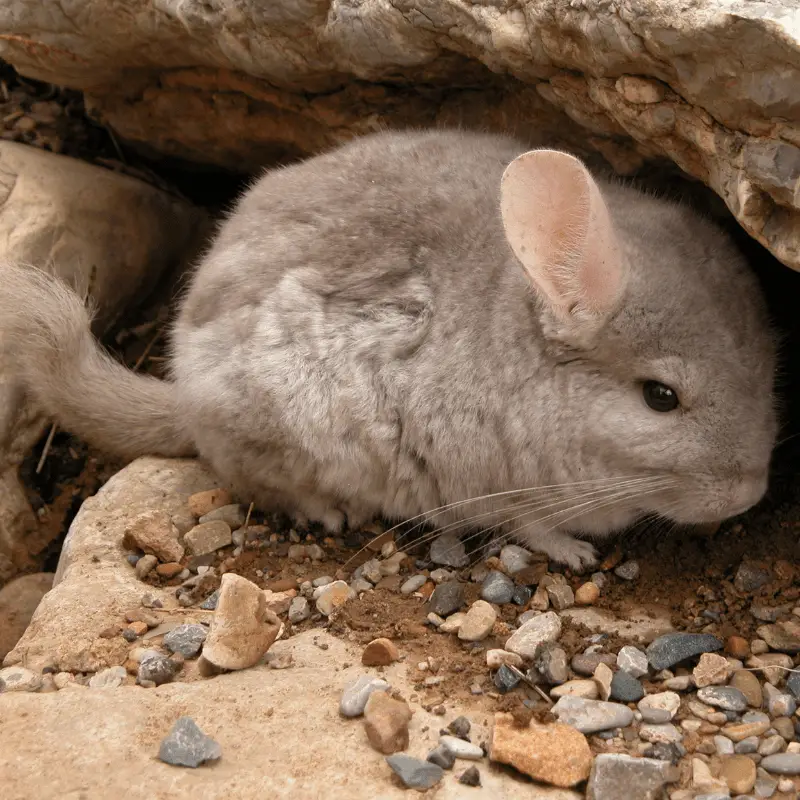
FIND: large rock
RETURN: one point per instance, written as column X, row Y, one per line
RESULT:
column 97, row 229
column 635, row 81
column 18, row 601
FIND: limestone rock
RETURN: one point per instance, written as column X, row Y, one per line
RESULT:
column 243, row 628
column 18, row 600
column 154, row 532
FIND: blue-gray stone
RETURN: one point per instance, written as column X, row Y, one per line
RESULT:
column 728, row 698
column 793, row 684
column 522, row 595
column 442, row 757
column 187, row 746
column 414, row 772
column 626, row 688
column 672, row 648
column 505, row 680
column 186, row 640
column 497, row 588
column 210, row 603
column 591, row 716
column 446, row 599
column 782, row 763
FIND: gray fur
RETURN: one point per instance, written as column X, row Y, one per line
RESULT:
column 360, row 339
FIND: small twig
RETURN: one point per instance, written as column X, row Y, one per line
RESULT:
column 247, row 518
column 146, row 352
column 46, row 448
column 523, row 677
column 115, row 142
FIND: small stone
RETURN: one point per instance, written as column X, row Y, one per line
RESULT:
column 633, row 661
column 586, row 663
column 357, row 692
column 772, row 666
column 138, row 628
column 628, row 571
column 477, row 624
column 577, row 688
column 186, row 640
column 781, row 705
column 711, row 670
column 392, row 565
column 243, row 628
column 782, row 636
column 208, row 537
column 108, row 678
column 680, row 683
column 737, row 647
column 782, row 764
column 551, row 661
column 442, row 757
column 525, row 640
column 723, row 745
column 506, row 679
column 448, row 549
column 210, row 603
column 453, row 622
column 460, row 727
column 641, row 91
column 279, row 602
column 747, row 683
column 333, row 596
column 169, row 570
column 727, row 698
column 442, row 576
column 497, row 588
column 145, row 565
column 360, row 585
column 793, row 684
column 758, row 646
column 539, row 602
column 664, row 733
column 784, row 727
column 324, row 580
column 446, row 599
column 587, row 594
column 496, row 658
column 379, row 653
column 591, row 716
column 414, row 583
column 771, row 745
column 522, row 595
column 153, row 532
column 786, row 785
column 187, row 746
column 603, row 677
column 298, row 553
column 626, row 688
column 202, row 503
column 704, row 781
column 386, row 722
column 232, row 514
column 470, row 777
column 299, row 610
column 748, row 745
column 461, row 748
column 435, row 620
column 750, row 577
column 560, row 596
column 415, row 773
column 156, row 668
column 672, row 648
column 754, row 723
column 514, row 558
column 641, row 777
column 555, row 754
column 660, row 707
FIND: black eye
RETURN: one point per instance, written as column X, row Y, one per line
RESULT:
column 659, row 397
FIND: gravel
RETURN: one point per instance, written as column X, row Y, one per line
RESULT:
column 591, row 716
column 187, row 746
column 448, row 550
column 625, row 688
column 725, row 697
column 460, row 748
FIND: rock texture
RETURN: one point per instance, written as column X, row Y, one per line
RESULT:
column 96, row 228
column 18, row 601
column 634, row 80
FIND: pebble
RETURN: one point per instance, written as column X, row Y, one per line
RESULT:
column 442, row 576
column 561, row 596
column 586, row 663
column 633, row 661
column 279, row 602
column 357, row 692
column 576, row 688
column 145, row 565
column 360, row 585
column 723, row 745
column 727, row 698
column 496, row 658
column 753, row 723
column 386, row 722
column 591, row 716
column 323, row 580
column 202, row 503
column 448, row 550
column 748, row 684
column 672, row 648
column 391, row 566
column 414, row 772
column 108, row 678
column 460, row 748
column 379, row 653
column 187, row 746
column 628, row 571
column 232, row 514
column 156, row 668
column 781, row 705
column 470, row 777
column 680, row 683
column 186, row 640
column 169, row 570
column 242, row 628
column 210, row 603
column 785, row 727
column 515, row 558
column 772, row 666
column 641, row 777
column 460, row 727
column 782, row 764
column 412, row 584
column 447, row 598
column 739, row 773
column 711, row 670
column 522, row 595
column 333, row 596
column 555, row 754
column 626, row 688
column 453, row 622
column 748, row 745
column 435, row 620
column 207, row 537
column 299, row 610
column 442, row 757
column 660, row 707
column 587, row 594
column 771, row 745
column 544, row 628
column 153, row 532
column 665, row 733
column 497, row 588
column 737, row 647
column 704, row 781
column 506, row 679
column 478, row 622
column 551, row 661
column 19, row 679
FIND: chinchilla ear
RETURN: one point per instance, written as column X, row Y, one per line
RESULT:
column 558, row 226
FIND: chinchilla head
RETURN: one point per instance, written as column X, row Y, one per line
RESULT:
column 659, row 334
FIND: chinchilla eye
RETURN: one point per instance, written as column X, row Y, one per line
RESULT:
column 659, row 396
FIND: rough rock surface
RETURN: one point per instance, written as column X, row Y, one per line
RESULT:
column 18, row 601
column 635, row 80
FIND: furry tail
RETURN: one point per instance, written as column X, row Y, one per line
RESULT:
column 46, row 337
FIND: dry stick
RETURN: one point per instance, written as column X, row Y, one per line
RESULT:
column 247, row 518
column 523, row 677
column 146, row 352
column 46, row 448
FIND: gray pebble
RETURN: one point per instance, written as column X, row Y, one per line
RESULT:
column 782, row 764
column 460, row 727
column 448, row 549
column 781, row 705
column 299, row 610
column 415, row 773
column 497, row 588
column 442, row 757
column 233, row 514
column 629, row 571
column 185, row 639
column 210, row 603
column 771, row 745
column 633, row 661
column 625, row 688
column 586, row 663
column 155, row 668
column 672, row 648
column 641, row 777
column 666, row 751
column 447, row 598
column 551, row 661
column 793, row 684
column 599, row 579
column 357, row 692
column 591, row 716
column 522, row 595
column 371, row 570
column 132, row 559
column 412, row 584
column 515, row 558
column 187, row 746
column 360, row 585
column 442, row 576
column 724, row 745
column 470, row 777
column 323, row 580
column 561, row 596
column 728, row 698
column 505, row 680
column 748, row 745
column 145, row 565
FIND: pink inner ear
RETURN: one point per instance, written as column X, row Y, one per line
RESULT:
column 558, row 227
